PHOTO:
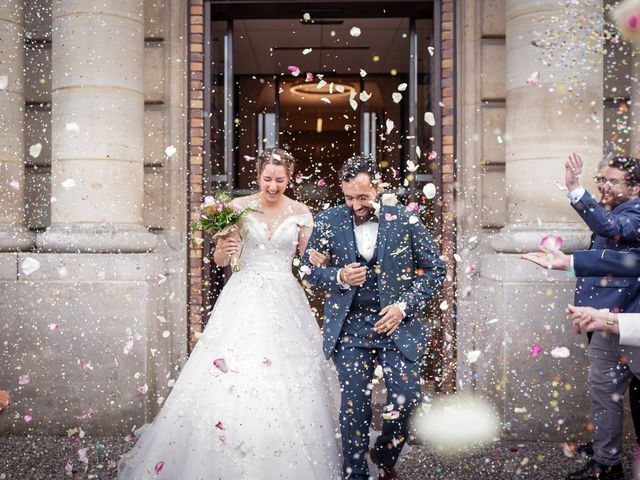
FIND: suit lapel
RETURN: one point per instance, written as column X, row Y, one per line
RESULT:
column 383, row 227
column 347, row 231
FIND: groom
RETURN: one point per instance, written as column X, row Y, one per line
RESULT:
column 383, row 269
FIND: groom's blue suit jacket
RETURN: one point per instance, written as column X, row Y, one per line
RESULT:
column 615, row 230
column 410, row 270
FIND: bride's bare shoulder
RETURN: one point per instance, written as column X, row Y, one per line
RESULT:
column 244, row 201
column 297, row 208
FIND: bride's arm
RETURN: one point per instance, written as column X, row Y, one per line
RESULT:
column 226, row 247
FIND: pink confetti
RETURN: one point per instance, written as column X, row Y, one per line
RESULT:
column 15, row 185
column 389, row 217
column 68, row 468
column 309, row 77
column 413, row 207
column 322, row 182
column 633, row 22
column 536, row 350
column 266, row 361
column 159, row 467
column 128, row 346
column 89, row 414
column 28, row 417
column 142, row 389
column 24, row 379
column 220, row 426
column 54, row 326
column 221, row 365
column 82, row 455
column 534, row 79
column 551, row 243
column 295, row 71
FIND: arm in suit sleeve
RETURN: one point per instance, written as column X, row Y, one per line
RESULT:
column 619, row 226
column 599, row 263
column 325, row 278
column 430, row 270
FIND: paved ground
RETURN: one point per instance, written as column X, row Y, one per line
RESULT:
column 35, row 458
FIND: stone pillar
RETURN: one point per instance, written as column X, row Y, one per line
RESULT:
column 97, row 128
column 546, row 122
column 13, row 233
column 520, row 318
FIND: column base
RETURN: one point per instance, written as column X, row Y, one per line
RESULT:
column 14, row 238
column 519, row 238
column 92, row 238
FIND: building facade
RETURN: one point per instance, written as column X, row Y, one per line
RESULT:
column 118, row 117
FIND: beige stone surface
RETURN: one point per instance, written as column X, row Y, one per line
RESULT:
column 38, row 198
column 155, row 186
column 493, row 61
column 155, row 134
column 38, row 73
column 493, row 17
column 37, row 130
column 494, row 202
column 154, row 70
column 493, row 132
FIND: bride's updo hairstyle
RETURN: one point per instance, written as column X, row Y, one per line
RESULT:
column 276, row 156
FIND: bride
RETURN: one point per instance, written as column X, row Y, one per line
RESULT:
column 256, row 399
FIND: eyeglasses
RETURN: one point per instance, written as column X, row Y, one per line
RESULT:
column 611, row 181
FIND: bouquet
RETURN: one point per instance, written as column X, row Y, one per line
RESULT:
column 219, row 218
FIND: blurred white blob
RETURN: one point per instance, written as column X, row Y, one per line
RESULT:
column 355, row 32
column 170, row 151
column 72, row 127
column 69, row 183
column 429, row 190
column 389, row 199
column 4, row 82
column 396, row 97
column 29, row 265
column 457, row 424
column 35, row 150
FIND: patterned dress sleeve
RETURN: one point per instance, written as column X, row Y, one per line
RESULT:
column 305, row 220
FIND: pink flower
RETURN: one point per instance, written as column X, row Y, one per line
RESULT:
column 535, row 350
column 159, row 467
column 208, row 200
column 551, row 243
column 413, row 207
column 221, row 365
column 68, row 468
column 321, row 182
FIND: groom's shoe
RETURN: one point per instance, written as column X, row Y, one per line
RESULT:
column 594, row 469
column 384, row 472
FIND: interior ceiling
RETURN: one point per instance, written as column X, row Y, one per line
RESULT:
column 263, row 47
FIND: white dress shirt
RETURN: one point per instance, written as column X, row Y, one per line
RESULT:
column 576, row 195
column 629, row 325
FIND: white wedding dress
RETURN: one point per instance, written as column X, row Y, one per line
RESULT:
column 256, row 399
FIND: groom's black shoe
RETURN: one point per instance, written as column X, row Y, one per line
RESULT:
column 384, row 472
column 594, row 469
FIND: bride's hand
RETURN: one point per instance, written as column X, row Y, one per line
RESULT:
column 318, row 259
column 228, row 245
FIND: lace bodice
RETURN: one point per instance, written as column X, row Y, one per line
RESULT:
column 275, row 253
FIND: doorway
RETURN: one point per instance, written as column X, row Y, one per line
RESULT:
column 348, row 78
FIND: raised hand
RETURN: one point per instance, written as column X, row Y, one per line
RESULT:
column 319, row 259
column 353, row 274
column 555, row 260
column 572, row 171
column 588, row 319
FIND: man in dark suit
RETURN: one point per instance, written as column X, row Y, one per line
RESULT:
column 619, row 230
column 620, row 197
column 383, row 267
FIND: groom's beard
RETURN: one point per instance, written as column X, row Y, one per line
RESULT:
column 366, row 214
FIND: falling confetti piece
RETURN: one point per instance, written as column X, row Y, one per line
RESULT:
column 158, row 468
column 142, row 389
column 429, row 118
column 15, row 185
column 389, row 199
column 35, row 150
column 29, row 265
column 28, row 417
column 24, row 379
column 363, row 73
column 364, row 96
column 411, row 166
column 560, row 352
column 568, row 449
column 429, row 190
column 306, row 17
column 402, row 87
column 355, row 32
column 378, row 372
column 325, row 100
column 535, row 350
column 397, row 97
column 170, row 151
column 82, row 455
column 444, row 305
column 431, row 50
column 72, row 127
column 413, row 220
column 221, row 365
column 295, row 71
column 128, row 346
column 4, row 82
column 54, row 326
column 473, row 356
column 534, row 79
column 307, row 51
column 266, row 362
column 389, row 217
column 551, row 243
column 389, row 124
column 520, row 410
column 69, row 183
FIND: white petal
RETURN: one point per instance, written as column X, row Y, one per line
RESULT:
column 4, row 82
column 396, row 97
column 69, row 183
column 364, row 96
column 307, row 51
column 429, row 118
column 34, row 150
column 170, row 151
column 402, row 87
column 355, row 32
column 29, row 265
column 429, row 190
column 363, row 73
column 390, row 125
column 72, row 127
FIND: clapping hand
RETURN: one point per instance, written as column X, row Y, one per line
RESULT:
column 319, row 259
column 572, row 171
column 555, row 260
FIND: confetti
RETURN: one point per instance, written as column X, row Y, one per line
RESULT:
column 355, row 32
column 429, row 118
column 4, row 82
column 29, row 265
column 535, row 350
column 69, row 183
column 307, row 51
column 560, row 352
column 397, row 97
column 170, row 151
column 221, row 365
column 429, row 190
column 534, row 79
column 24, row 379
column 35, row 150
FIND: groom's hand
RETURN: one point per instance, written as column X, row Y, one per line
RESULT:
column 353, row 274
column 391, row 318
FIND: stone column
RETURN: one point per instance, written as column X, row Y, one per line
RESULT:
column 13, row 233
column 545, row 122
column 97, row 128
column 520, row 319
